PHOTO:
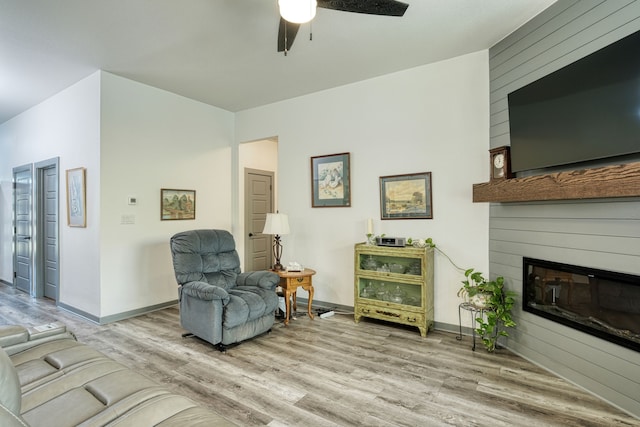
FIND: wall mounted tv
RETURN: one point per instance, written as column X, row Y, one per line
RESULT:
column 586, row 111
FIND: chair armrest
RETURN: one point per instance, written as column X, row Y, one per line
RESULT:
column 262, row 279
column 205, row 291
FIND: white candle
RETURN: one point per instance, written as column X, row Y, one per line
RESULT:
column 370, row 226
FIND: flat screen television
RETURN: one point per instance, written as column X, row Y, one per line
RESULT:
column 586, row 111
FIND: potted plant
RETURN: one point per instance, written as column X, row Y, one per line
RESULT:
column 495, row 300
column 490, row 296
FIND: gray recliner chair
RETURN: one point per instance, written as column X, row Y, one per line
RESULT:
column 218, row 303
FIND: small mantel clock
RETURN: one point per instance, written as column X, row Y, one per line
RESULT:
column 500, row 163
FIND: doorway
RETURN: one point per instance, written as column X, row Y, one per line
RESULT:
column 22, row 229
column 258, row 202
column 47, row 229
column 36, row 229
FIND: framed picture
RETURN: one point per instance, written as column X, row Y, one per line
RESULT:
column 330, row 181
column 76, row 197
column 406, row 196
column 177, row 204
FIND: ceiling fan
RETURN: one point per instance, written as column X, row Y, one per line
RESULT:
column 289, row 27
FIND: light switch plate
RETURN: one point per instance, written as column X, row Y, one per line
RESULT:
column 127, row 219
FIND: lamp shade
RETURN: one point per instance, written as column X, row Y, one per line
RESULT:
column 276, row 223
column 298, row 11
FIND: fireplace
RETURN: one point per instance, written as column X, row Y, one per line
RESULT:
column 602, row 303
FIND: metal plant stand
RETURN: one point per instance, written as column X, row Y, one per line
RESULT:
column 474, row 310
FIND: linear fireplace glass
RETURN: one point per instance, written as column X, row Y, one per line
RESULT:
column 602, row 303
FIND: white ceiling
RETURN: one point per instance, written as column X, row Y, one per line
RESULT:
column 223, row 52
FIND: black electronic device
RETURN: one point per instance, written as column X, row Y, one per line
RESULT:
column 586, row 111
column 398, row 242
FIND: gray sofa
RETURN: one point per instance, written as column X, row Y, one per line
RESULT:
column 47, row 378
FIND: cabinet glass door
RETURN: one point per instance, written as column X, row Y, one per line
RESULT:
column 390, row 291
column 390, row 264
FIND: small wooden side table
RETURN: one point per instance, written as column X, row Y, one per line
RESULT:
column 290, row 281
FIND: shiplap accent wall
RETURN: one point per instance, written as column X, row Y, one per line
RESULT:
column 598, row 233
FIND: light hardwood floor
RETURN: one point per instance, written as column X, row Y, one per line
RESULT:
column 333, row 372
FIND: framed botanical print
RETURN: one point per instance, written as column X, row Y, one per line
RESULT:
column 406, row 196
column 76, row 197
column 330, row 181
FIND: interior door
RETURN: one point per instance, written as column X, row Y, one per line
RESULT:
column 258, row 202
column 22, row 207
column 47, row 268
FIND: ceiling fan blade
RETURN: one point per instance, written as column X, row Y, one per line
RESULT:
column 371, row 7
column 287, row 31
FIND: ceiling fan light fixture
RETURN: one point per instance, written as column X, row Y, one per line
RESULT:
column 298, row 11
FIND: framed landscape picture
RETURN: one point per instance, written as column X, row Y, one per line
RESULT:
column 177, row 204
column 330, row 181
column 76, row 198
column 406, row 196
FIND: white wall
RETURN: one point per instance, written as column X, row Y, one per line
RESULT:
column 134, row 140
column 66, row 125
column 431, row 118
column 153, row 139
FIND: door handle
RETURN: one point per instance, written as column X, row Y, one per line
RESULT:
column 250, row 234
column 26, row 238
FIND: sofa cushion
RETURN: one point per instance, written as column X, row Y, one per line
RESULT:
column 42, row 363
column 244, row 305
column 205, row 256
column 195, row 416
column 38, row 351
column 106, row 396
column 70, row 408
column 168, row 410
column 74, row 379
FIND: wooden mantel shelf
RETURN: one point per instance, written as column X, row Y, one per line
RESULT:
column 603, row 182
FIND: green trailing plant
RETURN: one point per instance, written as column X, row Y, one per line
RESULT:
column 425, row 243
column 496, row 301
column 428, row 243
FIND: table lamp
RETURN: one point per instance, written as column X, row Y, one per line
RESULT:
column 278, row 225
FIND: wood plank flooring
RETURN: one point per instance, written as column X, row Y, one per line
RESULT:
column 333, row 372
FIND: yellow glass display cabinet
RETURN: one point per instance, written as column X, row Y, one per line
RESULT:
column 394, row 284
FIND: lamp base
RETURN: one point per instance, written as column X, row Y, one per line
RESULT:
column 277, row 253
